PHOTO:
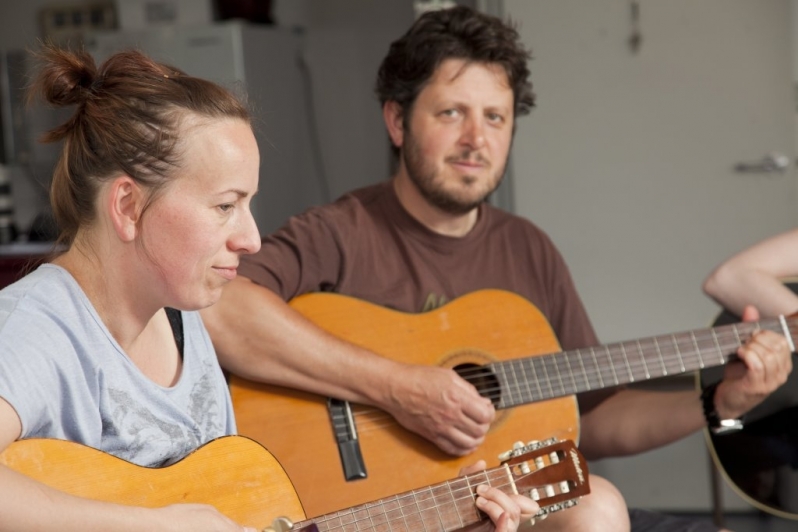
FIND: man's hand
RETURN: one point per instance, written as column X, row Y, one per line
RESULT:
column 764, row 365
column 439, row 405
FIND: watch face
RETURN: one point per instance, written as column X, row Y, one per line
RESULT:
column 727, row 425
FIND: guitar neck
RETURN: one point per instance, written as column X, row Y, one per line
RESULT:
column 450, row 504
column 552, row 472
column 538, row 378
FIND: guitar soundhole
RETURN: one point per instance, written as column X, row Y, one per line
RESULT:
column 483, row 379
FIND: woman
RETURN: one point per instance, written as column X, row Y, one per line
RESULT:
column 152, row 195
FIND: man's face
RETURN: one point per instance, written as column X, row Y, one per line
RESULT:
column 457, row 137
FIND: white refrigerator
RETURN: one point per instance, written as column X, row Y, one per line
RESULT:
column 267, row 63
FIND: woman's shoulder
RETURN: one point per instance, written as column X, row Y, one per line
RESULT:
column 47, row 291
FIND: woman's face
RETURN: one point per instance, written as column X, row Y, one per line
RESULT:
column 194, row 233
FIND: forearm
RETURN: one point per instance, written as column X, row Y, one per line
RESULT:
column 755, row 277
column 734, row 288
column 634, row 421
column 259, row 337
column 28, row 505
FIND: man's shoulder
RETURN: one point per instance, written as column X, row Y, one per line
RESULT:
column 353, row 206
column 501, row 220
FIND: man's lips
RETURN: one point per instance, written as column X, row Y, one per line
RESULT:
column 469, row 163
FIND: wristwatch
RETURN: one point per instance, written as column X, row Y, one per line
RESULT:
column 715, row 424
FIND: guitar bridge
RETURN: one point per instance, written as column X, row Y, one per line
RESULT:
column 346, row 437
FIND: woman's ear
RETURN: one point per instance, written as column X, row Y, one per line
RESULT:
column 394, row 122
column 126, row 200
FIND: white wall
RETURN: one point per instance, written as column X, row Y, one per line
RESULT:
column 628, row 163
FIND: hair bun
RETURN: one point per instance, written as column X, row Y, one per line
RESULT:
column 68, row 76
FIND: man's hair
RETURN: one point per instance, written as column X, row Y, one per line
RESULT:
column 456, row 33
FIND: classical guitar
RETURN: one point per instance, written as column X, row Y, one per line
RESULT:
column 496, row 340
column 760, row 462
column 245, row 482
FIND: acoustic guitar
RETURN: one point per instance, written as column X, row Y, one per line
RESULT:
column 246, row 483
column 494, row 339
column 760, row 462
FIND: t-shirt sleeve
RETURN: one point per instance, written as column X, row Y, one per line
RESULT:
column 569, row 320
column 34, row 375
column 302, row 256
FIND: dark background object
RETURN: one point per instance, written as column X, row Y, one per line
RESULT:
column 258, row 11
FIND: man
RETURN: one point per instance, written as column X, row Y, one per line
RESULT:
column 451, row 89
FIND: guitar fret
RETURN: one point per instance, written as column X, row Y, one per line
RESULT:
column 659, row 356
column 559, row 374
column 662, row 358
column 706, row 344
column 677, row 350
column 697, row 349
column 417, row 515
column 571, row 371
column 643, row 359
column 721, row 357
column 548, row 379
column 513, row 389
column 376, row 516
column 626, row 363
column 535, row 378
column 598, row 370
column 529, row 393
column 391, row 508
column 584, row 371
column 665, row 350
column 458, row 504
column 611, row 360
column 443, row 501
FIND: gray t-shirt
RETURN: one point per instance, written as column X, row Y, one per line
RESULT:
column 68, row 378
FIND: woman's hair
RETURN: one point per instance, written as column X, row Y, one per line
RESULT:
column 456, row 33
column 127, row 121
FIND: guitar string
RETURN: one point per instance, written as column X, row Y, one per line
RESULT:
column 427, row 495
column 724, row 339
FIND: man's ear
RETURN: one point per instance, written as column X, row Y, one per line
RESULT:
column 394, row 121
column 126, row 200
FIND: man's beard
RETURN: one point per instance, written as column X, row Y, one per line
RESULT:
column 423, row 177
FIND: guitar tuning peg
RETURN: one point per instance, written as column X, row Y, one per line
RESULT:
column 505, row 456
column 518, row 445
column 281, row 524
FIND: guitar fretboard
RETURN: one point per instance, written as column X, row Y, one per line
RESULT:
column 537, row 378
column 446, row 506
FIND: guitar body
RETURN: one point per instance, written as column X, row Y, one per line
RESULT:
column 476, row 329
column 234, row 474
column 760, row 462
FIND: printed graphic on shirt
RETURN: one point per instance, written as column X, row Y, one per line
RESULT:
column 160, row 436
column 434, row 301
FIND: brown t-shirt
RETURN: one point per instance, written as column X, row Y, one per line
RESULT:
column 367, row 246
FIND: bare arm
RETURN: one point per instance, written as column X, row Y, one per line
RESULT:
column 754, row 277
column 634, row 421
column 260, row 337
column 26, row 504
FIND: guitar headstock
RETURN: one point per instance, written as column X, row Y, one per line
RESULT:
column 552, row 472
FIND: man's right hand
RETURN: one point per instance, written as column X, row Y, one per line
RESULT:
column 440, row 406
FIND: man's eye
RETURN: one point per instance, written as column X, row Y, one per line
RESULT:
column 225, row 207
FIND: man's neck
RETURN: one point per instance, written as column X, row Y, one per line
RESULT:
column 433, row 218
